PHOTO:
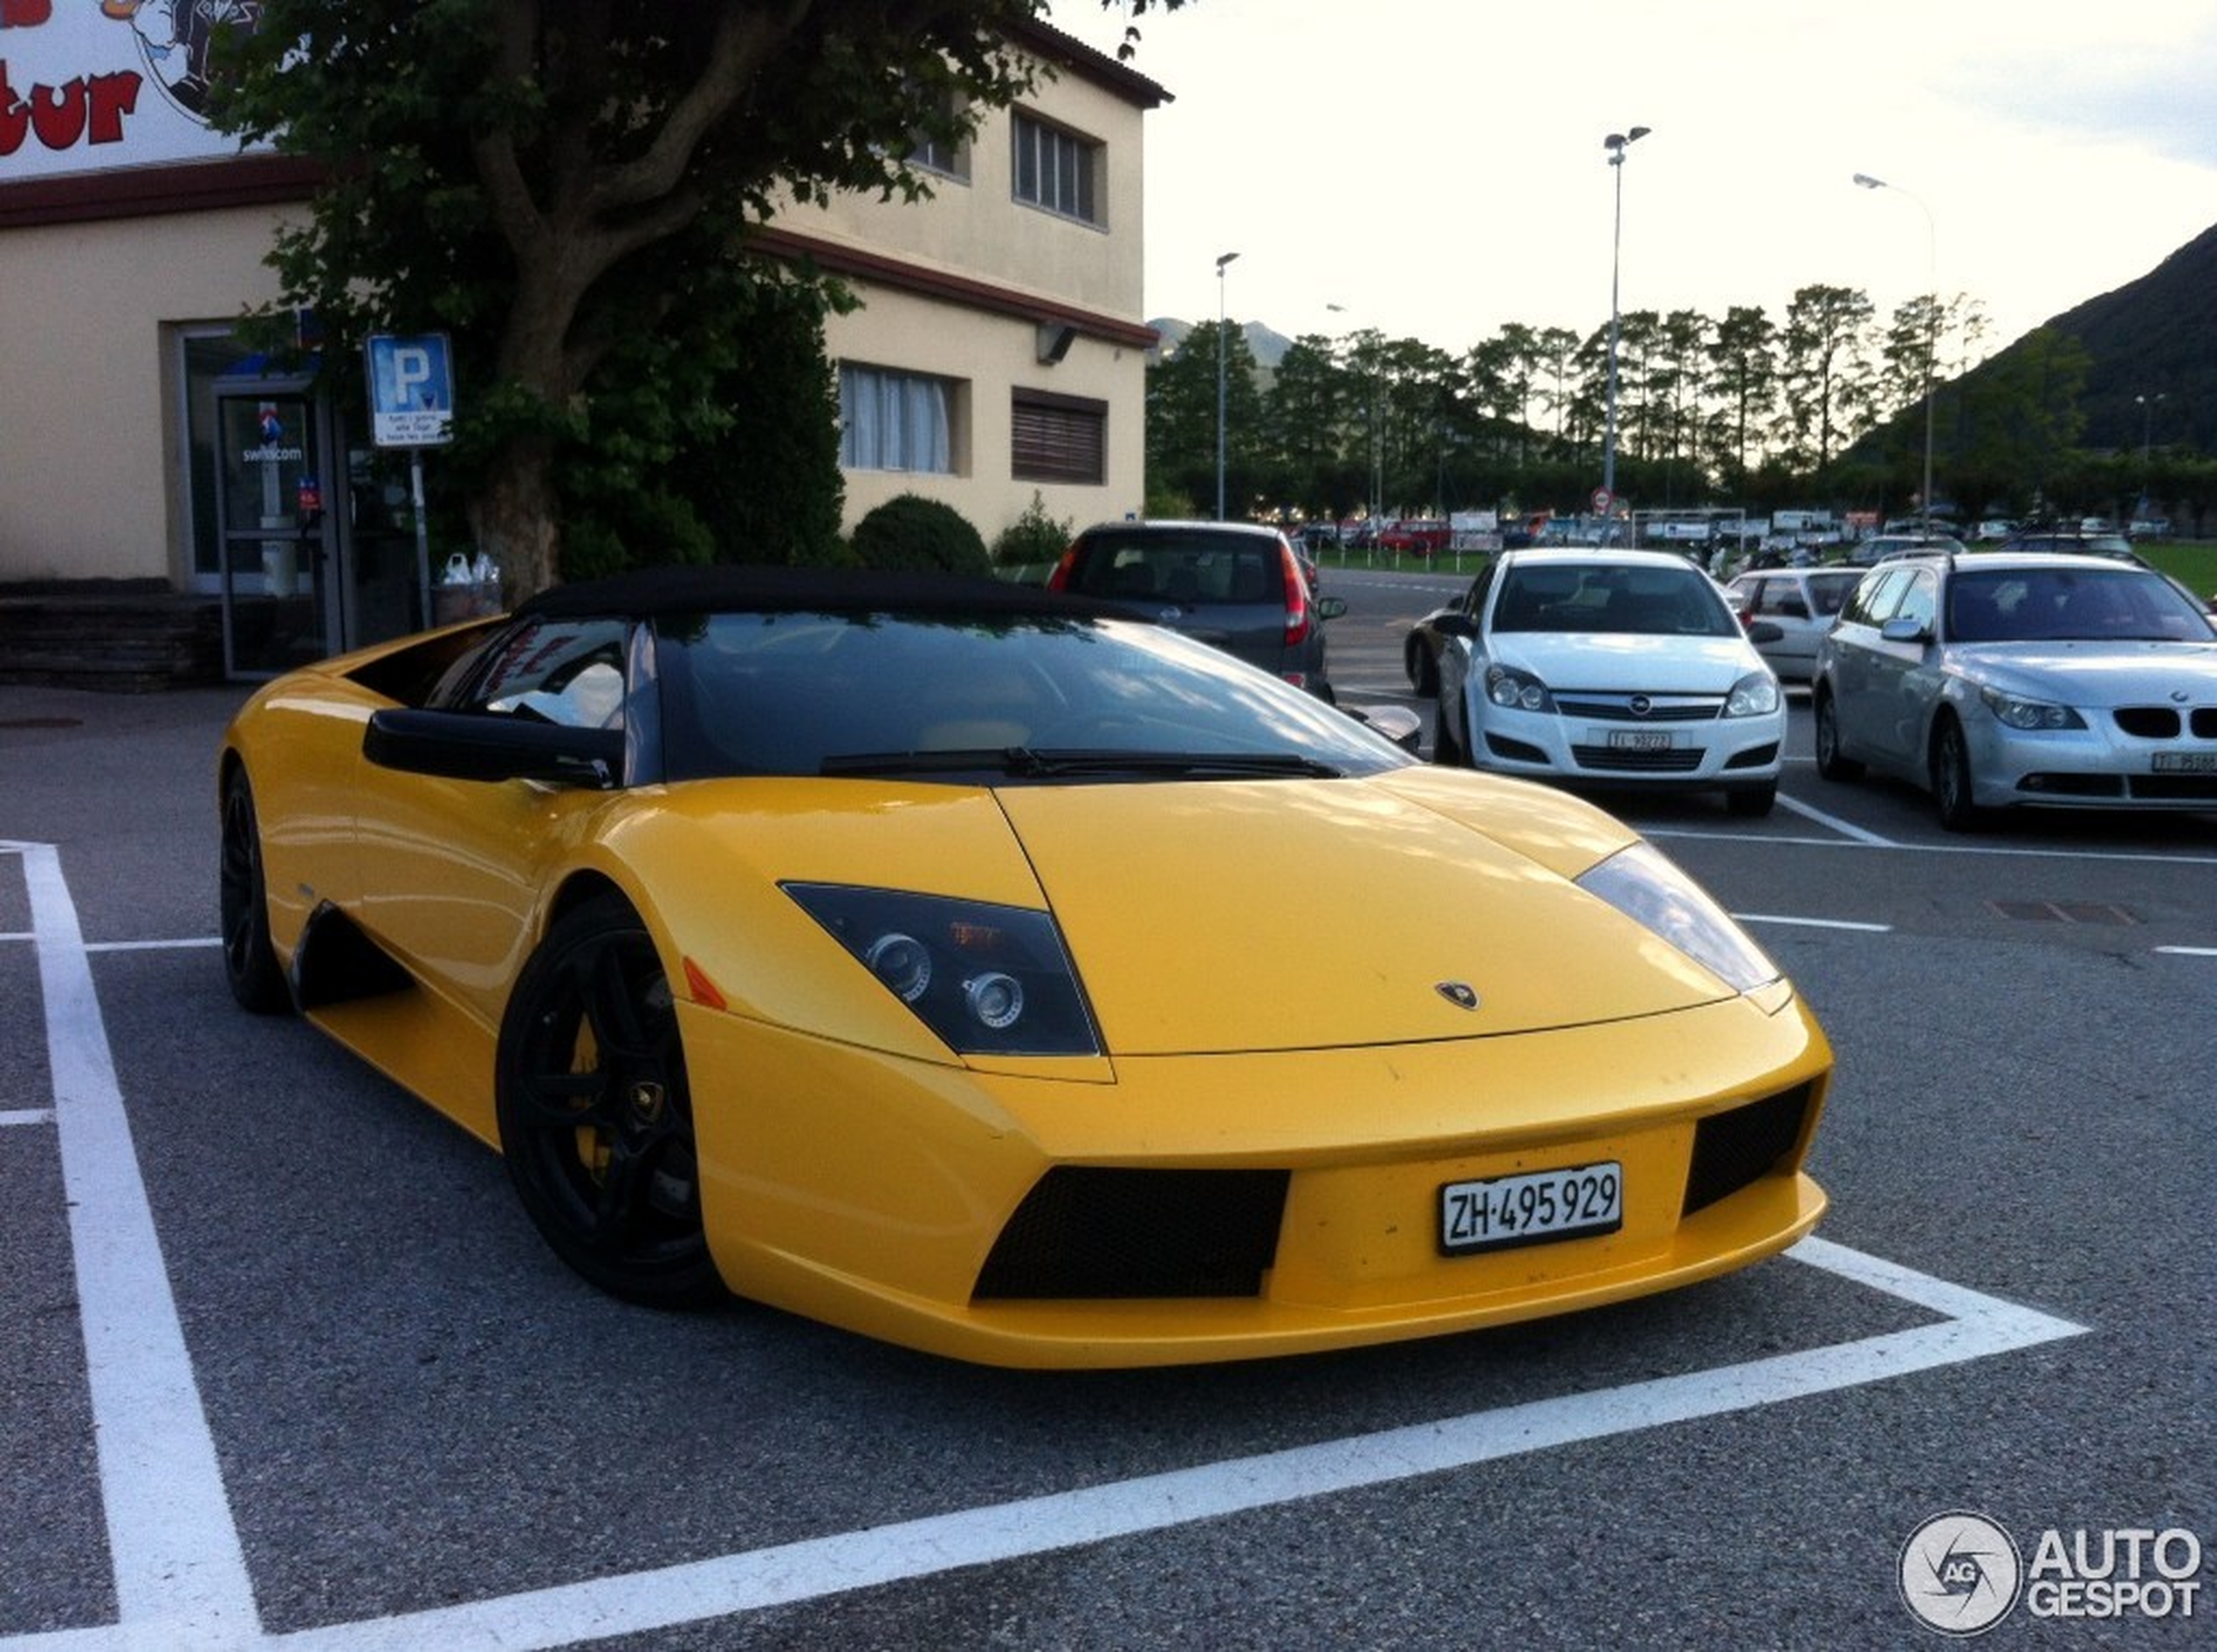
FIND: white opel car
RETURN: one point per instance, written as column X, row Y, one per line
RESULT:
column 1608, row 668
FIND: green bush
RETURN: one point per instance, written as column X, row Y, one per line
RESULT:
column 912, row 531
column 1033, row 537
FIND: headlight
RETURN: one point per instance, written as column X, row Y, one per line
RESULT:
column 987, row 979
column 1754, row 696
column 1645, row 886
column 1521, row 690
column 2015, row 713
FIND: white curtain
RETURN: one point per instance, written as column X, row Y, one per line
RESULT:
column 893, row 420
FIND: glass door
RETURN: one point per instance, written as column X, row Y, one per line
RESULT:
column 279, row 595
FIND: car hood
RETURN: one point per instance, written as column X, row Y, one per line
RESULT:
column 2094, row 673
column 1632, row 663
column 1285, row 915
column 1203, row 917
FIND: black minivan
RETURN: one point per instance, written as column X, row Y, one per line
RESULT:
column 1232, row 584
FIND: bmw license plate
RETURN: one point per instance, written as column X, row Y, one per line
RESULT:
column 1505, row 1211
column 1639, row 739
column 2185, row 763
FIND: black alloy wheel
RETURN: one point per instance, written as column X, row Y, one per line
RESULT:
column 250, row 964
column 595, row 1116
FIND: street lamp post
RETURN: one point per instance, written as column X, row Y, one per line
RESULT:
column 1220, row 263
column 1865, row 180
column 1378, row 460
column 2147, row 429
column 1616, row 143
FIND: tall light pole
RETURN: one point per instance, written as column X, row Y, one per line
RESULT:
column 1616, row 143
column 1220, row 263
column 1865, row 180
column 1377, row 461
column 2147, row 428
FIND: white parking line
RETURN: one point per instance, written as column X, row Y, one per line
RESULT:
column 181, row 1580
column 1814, row 924
column 180, row 1577
column 1832, row 822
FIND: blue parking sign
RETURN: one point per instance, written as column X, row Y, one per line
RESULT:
column 411, row 390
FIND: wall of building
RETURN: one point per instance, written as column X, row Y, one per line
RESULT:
column 91, row 459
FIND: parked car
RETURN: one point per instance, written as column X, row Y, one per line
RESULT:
column 1799, row 604
column 985, row 970
column 1416, row 538
column 2006, row 678
column 1238, row 586
column 1609, row 668
column 2075, row 542
column 1881, row 547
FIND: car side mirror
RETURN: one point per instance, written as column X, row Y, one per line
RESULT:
column 480, row 745
column 1330, row 607
column 1456, row 625
column 1764, row 631
column 1906, row 629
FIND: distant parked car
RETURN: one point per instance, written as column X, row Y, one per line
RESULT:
column 1619, row 669
column 1879, row 547
column 2002, row 679
column 2075, row 542
column 1799, row 603
column 1994, row 530
column 1240, row 586
column 1416, row 538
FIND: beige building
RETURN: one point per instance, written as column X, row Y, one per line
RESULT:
column 999, row 354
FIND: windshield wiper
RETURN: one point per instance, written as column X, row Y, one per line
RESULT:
column 1026, row 763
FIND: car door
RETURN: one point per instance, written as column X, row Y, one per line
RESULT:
column 1460, row 659
column 1901, row 682
column 1848, row 660
column 451, row 871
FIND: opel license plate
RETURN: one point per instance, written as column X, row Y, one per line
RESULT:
column 1640, row 739
column 1503, row 1210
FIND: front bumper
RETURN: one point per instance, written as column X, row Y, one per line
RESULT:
column 2101, row 766
column 884, row 1195
column 1601, row 745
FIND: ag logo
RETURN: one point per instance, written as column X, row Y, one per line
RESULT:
column 1960, row 1573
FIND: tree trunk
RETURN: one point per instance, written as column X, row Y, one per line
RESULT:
column 512, row 519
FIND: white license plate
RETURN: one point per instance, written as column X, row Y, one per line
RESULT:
column 2185, row 763
column 1531, row 1209
column 1640, row 739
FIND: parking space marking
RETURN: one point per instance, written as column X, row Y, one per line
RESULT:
column 1832, row 822
column 180, row 1577
column 1814, row 924
column 181, row 1580
column 29, row 1115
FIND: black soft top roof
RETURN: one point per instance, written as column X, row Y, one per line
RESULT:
column 721, row 588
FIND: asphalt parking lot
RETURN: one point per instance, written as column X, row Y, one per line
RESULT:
column 285, row 1367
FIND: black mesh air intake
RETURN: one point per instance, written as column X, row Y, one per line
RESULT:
column 1089, row 1231
column 1733, row 1149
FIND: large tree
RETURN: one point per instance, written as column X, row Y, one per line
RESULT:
column 567, row 186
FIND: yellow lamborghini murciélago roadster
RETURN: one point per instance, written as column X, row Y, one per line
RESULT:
column 1003, row 975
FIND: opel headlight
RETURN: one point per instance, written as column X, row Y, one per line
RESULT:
column 987, row 979
column 1754, row 696
column 2015, row 712
column 1519, row 690
column 1645, row 886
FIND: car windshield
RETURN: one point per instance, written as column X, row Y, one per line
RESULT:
column 1613, row 597
column 2072, row 604
column 1189, row 567
column 1024, row 697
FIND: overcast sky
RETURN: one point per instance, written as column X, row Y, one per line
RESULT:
column 1436, row 166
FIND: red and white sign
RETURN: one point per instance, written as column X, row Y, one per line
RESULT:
column 88, row 85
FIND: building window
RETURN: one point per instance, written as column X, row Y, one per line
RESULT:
column 893, row 420
column 949, row 157
column 1057, row 438
column 1056, row 169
